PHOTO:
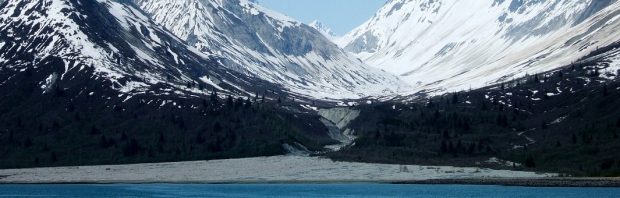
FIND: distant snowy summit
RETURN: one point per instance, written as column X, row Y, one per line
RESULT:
column 323, row 29
column 452, row 45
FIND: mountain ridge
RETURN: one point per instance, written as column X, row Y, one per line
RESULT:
column 117, row 41
column 97, row 82
column 443, row 46
column 259, row 42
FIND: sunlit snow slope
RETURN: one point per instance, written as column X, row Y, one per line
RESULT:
column 451, row 45
column 271, row 46
column 110, row 40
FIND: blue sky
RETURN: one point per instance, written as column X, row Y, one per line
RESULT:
column 340, row 15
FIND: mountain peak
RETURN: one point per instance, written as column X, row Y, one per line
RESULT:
column 324, row 29
column 261, row 43
column 451, row 45
column 111, row 41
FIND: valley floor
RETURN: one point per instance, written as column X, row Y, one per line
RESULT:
column 287, row 169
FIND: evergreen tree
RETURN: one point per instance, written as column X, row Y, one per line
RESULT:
column 53, row 157
column 502, row 120
column 200, row 139
column 27, row 142
column 94, row 130
column 472, row 148
column 262, row 99
column 443, row 148
column 229, row 102
column 451, row 148
column 239, row 103
column 161, row 139
column 248, row 104
column 11, row 137
column 529, row 162
column 123, row 136
column 103, row 141
column 217, row 127
column 214, row 98
column 455, row 98
column 132, row 148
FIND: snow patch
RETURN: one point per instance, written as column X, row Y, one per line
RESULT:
column 48, row 84
column 207, row 79
column 505, row 163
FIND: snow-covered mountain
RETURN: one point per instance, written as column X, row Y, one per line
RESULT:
column 113, row 41
column 265, row 44
column 89, row 70
column 325, row 30
column 452, row 45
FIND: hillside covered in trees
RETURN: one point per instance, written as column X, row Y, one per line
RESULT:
column 566, row 121
column 65, row 125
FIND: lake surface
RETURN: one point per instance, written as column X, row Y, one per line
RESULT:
column 296, row 190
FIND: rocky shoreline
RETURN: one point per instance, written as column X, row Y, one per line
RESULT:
column 534, row 182
column 275, row 169
column 529, row 182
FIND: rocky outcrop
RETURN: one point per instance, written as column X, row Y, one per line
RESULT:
column 337, row 120
column 340, row 116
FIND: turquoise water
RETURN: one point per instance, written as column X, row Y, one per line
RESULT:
column 297, row 190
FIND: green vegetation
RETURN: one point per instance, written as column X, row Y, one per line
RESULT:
column 565, row 121
column 70, row 126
